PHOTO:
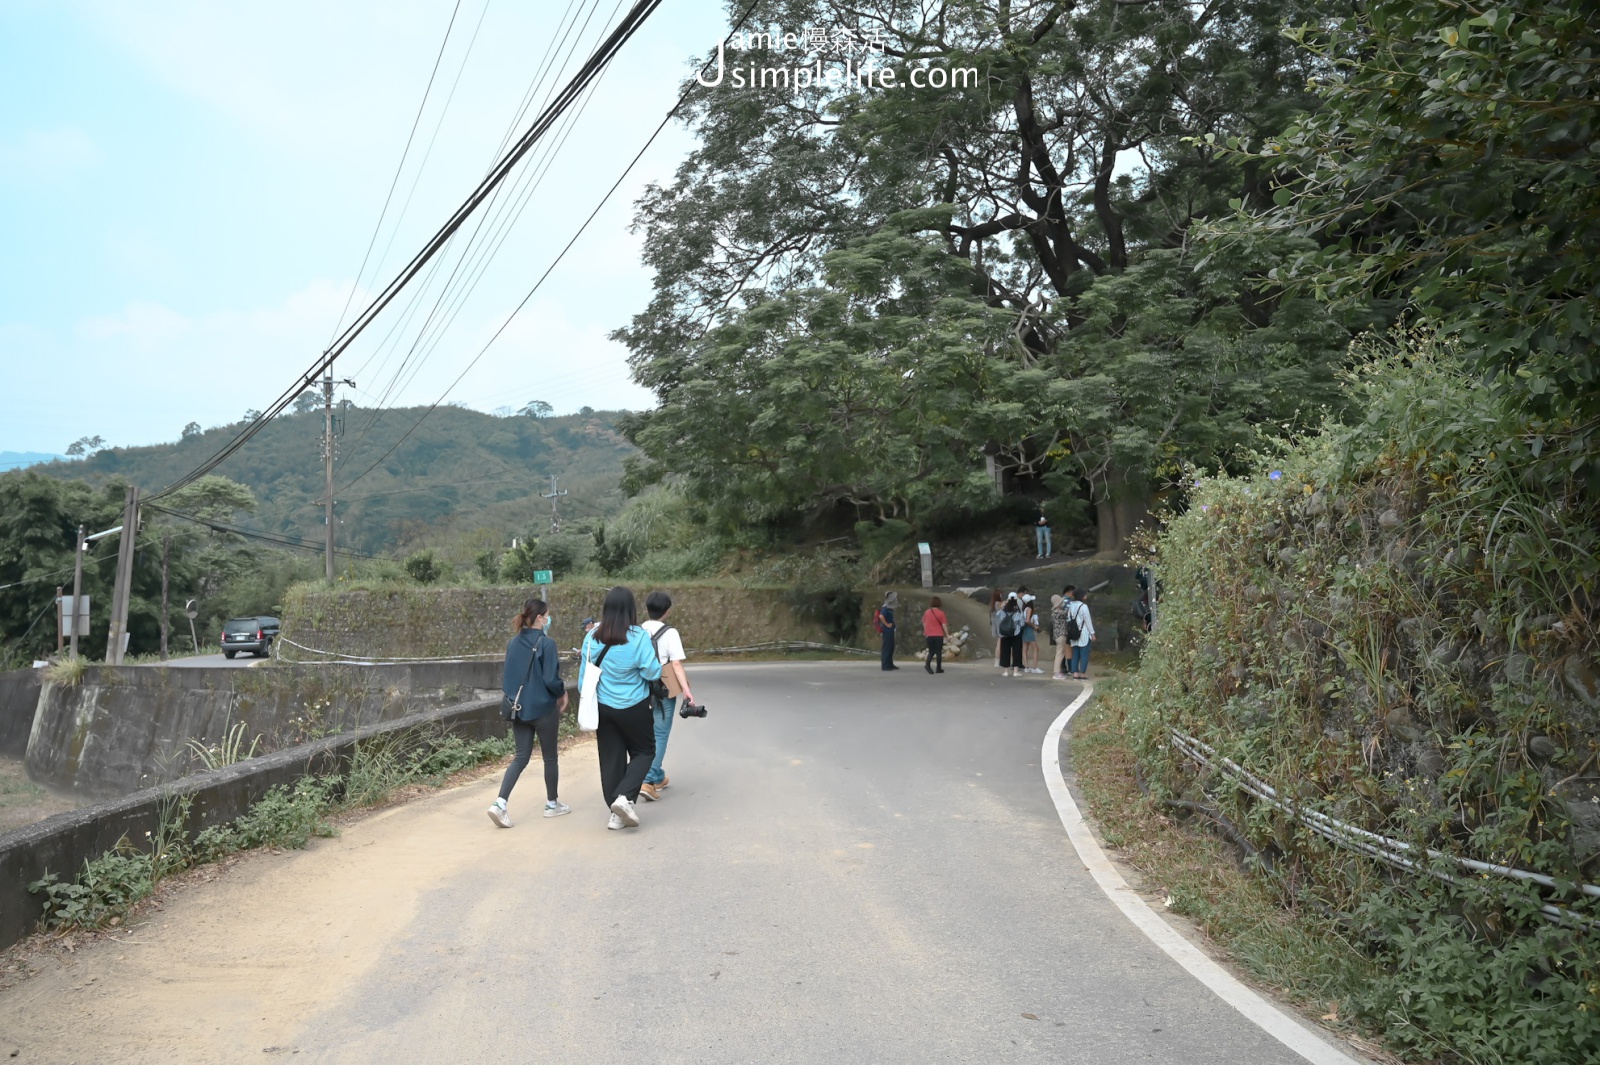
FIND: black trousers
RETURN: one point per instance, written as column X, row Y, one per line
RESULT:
column 886, row 655
column 935, row 652
column 1011, row 652
column 546, row 728
column 626, row 739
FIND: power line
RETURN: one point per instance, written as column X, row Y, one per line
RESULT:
column 597, row 62
column 399, row 168
column 256, row 534
column 682, row 97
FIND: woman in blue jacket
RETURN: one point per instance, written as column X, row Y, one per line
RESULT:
column 532, row 680
column 626, row 738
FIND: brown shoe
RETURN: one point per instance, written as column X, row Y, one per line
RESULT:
column 665, row 780
column 648, row 791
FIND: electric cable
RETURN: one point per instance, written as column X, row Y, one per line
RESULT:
column 473, row 253
column 672, row 113
column 376, row 229
column 625, row 30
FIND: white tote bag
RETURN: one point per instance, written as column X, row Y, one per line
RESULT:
column 589, row 694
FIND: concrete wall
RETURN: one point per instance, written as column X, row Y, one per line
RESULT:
column 61, row 844
column 419, row 622
column 124, row 728
column 19, row 694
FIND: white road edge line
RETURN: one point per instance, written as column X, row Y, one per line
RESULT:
column 1286, row 1029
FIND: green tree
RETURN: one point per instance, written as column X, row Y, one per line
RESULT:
column 1452, row 171
column 1081, row 160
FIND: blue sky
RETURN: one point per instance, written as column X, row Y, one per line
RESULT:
column 187, row 189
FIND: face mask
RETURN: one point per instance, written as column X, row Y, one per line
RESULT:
column 548, row 621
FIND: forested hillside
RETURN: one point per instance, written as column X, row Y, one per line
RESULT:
column 399, row 480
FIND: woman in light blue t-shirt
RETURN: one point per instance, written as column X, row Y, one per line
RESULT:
column 626, row 738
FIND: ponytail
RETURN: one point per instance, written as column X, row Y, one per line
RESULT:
column 530, row 613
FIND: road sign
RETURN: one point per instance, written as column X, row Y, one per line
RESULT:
column 925, row 553
column 543, row 576
column 67, row 615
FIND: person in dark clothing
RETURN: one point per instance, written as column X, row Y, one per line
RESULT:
column 532, row 681
column 1009, row 625
column 886, row 626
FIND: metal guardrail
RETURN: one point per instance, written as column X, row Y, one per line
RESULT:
column 1391, row 851
column 365, row 660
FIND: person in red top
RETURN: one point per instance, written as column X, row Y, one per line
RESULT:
column 934, row 626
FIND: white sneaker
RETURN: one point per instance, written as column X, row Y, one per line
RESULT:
column 624, row 809
column 556, row 809
column 615, row 824
column 499, row 816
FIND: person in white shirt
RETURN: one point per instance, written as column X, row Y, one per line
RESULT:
column 1079, row 670
column 669, row 647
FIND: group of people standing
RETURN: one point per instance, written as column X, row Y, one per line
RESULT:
column 1015, row 622
column 641, row 685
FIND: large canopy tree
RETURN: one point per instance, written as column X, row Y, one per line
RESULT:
column 1061, row 186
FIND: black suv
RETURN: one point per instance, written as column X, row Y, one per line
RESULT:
column 249, row 634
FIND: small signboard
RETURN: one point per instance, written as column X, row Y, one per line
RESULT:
column 925, row 553
column 67, row 613
column 543, row 576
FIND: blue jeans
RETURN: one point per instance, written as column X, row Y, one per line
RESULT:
column 1041, row 536
column 662, row 711
column 1080, row 660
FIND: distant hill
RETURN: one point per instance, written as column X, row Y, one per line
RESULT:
column 458, row 470
column 15, row 460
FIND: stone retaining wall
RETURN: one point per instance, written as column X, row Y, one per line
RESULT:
column 61, row 844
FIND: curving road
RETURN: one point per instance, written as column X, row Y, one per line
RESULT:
column 849, row 867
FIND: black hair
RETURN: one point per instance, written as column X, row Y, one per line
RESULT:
column 656, row 604
column 617, row 616
column 1068, row 590
column 530, row 613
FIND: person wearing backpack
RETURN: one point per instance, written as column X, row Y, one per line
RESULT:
column 1008, row 623
column 1080, row 634
column 667, row 694
column 883, row 621
column 533, row 699
column 625, row 735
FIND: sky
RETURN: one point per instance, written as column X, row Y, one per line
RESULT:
column 187, row 192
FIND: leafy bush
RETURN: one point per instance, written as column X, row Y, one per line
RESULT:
column 285, row 817
column 837, row 610
column 1395, row 624
column 107, row 888
column 422, row 567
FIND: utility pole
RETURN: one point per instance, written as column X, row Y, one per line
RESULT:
column 123, row 589
column 77, row 592
column 554, row 496
column 60, row 629
column 327, row 466
column 166, row 552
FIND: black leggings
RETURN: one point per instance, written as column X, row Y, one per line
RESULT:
column 545, row 726
column 626, row 740
column 936, row 651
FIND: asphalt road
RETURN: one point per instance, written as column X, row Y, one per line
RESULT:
column 849, row 867
column 212, row 661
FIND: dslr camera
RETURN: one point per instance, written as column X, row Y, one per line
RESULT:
column 689, row 709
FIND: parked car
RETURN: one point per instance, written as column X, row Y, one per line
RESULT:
column 249, row 634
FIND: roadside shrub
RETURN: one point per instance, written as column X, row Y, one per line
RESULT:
column 423, row 568
column 1394, row 624
column 107, row 888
